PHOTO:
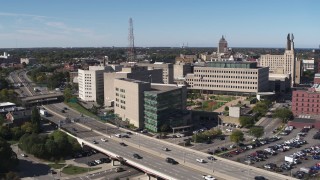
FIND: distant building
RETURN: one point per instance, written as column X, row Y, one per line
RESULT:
column 91, row 83
column 73, row 77
column 28, row 61
column 308, row 65
column 279, row 82
column 167, row 69
column 180, row 69
column 14, row 115
column 186, row 58
column 70, row 67
column 283, row 64
column 223, row 45
column 237, row 77
column 316, row 58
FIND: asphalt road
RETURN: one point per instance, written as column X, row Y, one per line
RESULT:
column 183, row 155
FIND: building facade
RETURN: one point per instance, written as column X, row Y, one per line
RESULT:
column 180, row 69
column 283, row 64
column 165, row 104
column 129, row 100
column 132, row 72
column 243, row 77
column 28, row 61
column 223, row 45
column 91, row 83
column 306, row 102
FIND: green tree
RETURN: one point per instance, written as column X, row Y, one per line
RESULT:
column 237, row 136
column 164, row 128
column 16, row 133
column 35, row 119
column 1, row 120
column 246, row 121
column 11, row 176
column 27, row 127
column 5, row 132
column 284, row 114
column 257, row 131
column 8, row 158
column 67, row 94
column 226, row 108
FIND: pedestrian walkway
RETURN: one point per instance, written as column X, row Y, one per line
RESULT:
column 231, row 103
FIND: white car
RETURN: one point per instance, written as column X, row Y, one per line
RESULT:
column 104, row 139
column 24, row 155
column 201, row 160
column 208, row 177
column 97, row 161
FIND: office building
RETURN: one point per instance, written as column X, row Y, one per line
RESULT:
column 150, row 105
column 283, row 64
column 167, row 69
column 231, row 76
column 142, row 73
column 91, row 83
column 180, row 69
column 306, row 102
column 308, row 65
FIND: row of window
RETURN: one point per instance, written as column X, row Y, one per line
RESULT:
column 225, row 81
column 225, row 72
column 222, row 76
column 308, row 100
column 310, row 96
column 225, row 86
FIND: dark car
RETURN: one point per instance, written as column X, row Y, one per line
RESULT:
column 62, row 110
column 171, row 161
column 212, row 158
column 119, row 169
column 137, row 156
column 259, row 178
column 123, row 144
column 105, row 160
column 222, row 138
column 51, row 171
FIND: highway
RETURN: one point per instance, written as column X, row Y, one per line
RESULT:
column 148, row 160
column 221, row 168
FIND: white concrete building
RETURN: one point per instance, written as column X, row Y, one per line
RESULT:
column 91, row 83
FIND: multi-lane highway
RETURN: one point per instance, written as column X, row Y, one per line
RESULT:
column 142, row 144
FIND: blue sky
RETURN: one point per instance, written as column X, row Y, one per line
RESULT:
column 170, row 23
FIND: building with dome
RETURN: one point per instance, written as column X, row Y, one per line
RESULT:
column 223, row 45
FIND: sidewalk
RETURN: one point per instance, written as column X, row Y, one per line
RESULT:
column 231, row 103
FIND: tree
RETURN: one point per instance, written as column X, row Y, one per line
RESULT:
column 8, row 158
column 226, row 108
column 67, row 94
column 257, row 131
column 16, row 133
column 35, row 120
column 27, row 127
column 164, row 128
column 237, row 136
column 284, row 114
column 5, row 132
column 11, row 176
column 246, row 121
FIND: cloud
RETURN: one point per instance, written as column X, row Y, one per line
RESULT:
column 21, row 15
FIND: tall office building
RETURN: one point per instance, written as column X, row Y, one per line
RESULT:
column 283, row 64
column 316, row 58
column 91, row 83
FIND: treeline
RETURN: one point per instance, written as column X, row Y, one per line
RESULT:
column 8, row 158
column 54, row 80
column 51, row 147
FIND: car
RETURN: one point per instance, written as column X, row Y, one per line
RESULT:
column 105, row 160
column 171, row 160
column 211, row 158
column 119, row 169
column 144, row 131
column 137, row 156
column 123, row 144
column 165, row 149
column 104, row 139
column 95, row 142
column 200, row 160
column 259, row 178
column 51, row 171
column 63, row 111
column 222, row 138
column 98, row 161
column 24, row 155
column 74, row 129
column 208, row 177
column 91, row 163
column 65, row 108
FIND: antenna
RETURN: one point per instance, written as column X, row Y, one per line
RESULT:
column 131, row 52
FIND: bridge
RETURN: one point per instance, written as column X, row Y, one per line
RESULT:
column 39, row 99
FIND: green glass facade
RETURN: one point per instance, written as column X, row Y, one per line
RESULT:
column 159, row 107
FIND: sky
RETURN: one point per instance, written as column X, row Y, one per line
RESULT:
column 168, row 23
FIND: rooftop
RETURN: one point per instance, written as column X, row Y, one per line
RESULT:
column 161, row 88
column 3, row 104
column 232, row 64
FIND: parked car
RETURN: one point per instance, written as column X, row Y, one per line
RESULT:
column 137, row 156
column 171, row 161
column 123, row 144
column 201, row 160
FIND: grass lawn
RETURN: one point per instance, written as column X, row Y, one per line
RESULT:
column 210, row 105
column 56, row 166
column 72, row 170
column 82, row 110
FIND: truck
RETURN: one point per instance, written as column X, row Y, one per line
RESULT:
column 43, row 112
column 291, row 159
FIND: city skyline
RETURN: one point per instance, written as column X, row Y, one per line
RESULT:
column 158, row 23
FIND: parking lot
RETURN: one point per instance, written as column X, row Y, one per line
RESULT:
column 271, row 154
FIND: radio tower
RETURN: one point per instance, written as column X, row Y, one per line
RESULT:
column 131, row 42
